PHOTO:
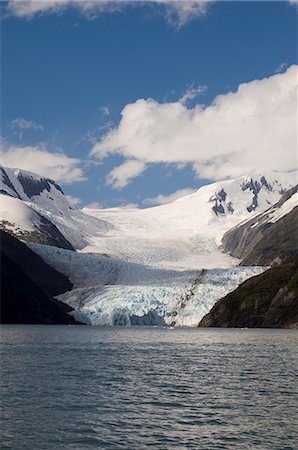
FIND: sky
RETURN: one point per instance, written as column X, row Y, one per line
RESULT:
column 137, row 103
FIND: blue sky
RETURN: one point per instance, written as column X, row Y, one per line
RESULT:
column 67, row 77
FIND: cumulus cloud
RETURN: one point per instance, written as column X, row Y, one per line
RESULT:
column 24, row 124
column 57, row 166
column 163, row 199
column 252, row 128
column 121, row 175
column 176, row 12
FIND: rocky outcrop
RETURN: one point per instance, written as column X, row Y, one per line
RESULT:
column 269, row 300
column 28, row 285
column 261, row 239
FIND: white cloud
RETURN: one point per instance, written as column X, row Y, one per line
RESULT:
column 254, row 127
column 74, row 200
column 105, row 111
column 89, row 8
column 121, row 175
column 24, row 124
column 192, row 92
column 281, row 67
column 57, row 166
column 176, row 12
column 163, row 199
column 94, row 205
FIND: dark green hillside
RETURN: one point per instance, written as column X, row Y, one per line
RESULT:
column 268, row 300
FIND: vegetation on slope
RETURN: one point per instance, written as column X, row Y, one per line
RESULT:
column 268, row 300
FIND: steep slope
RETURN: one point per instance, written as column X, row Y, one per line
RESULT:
column 27, row 286
column 266, row 300
column 21, row 220
column 269, row 235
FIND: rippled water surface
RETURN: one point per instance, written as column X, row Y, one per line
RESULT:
column 68, row 387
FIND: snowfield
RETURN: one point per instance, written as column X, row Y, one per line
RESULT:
column 17, row 216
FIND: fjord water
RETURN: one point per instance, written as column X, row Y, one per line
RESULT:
column 80, row 387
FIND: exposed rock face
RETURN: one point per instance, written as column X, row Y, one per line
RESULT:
column 269, row 300
column 33, row 186
column 255, row 186
column 28, row 285
column 16, row 186
column 45, row 233
column 260, row 240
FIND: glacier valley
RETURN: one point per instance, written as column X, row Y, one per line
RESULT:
column 157, row 266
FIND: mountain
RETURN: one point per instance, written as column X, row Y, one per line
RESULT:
column 268, row 236
column 155, row 265
column 163, row 263
column 36, row 209
column 28, row 285
column 269, row 300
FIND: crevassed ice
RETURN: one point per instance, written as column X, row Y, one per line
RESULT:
column 112, row 291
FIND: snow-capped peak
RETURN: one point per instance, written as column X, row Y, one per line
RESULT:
column 46, row 198
column 29, row 187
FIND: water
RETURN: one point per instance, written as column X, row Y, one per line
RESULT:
column 68, row 387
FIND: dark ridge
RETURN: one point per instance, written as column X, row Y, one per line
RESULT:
column 2, row 191
column 255, row 187
column 223, row 195
column 46, row 234
column 259, row 242
column 8, row 183
column 28, row 285
column 280, row 240
column 286, row 196
column 230, row 207
column 56, row 186
column 32, row 186
column 253, row 205
column 264, row 242
column 218, row 208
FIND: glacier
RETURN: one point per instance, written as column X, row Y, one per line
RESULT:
column 112, row 291
column 159, row 266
